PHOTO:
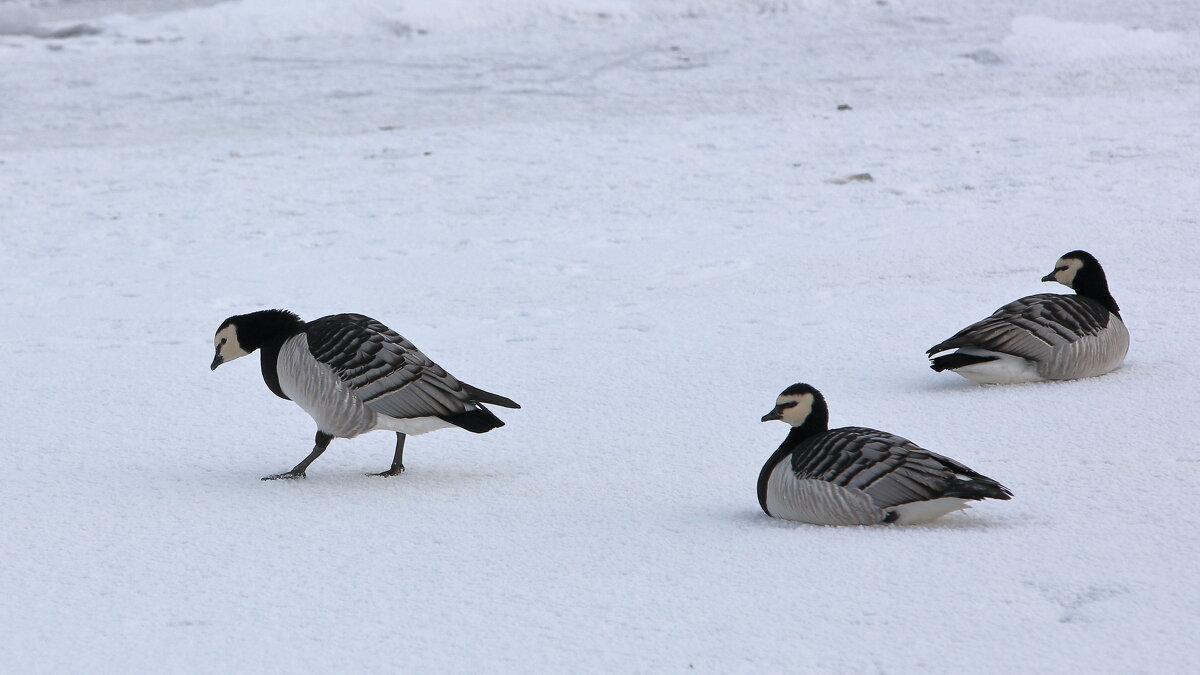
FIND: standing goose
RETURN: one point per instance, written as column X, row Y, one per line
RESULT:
column 1046, row 336
column 858, row 476
column 353, row 374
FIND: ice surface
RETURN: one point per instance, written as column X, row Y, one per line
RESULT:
column 1042, row 38
column 625, row 217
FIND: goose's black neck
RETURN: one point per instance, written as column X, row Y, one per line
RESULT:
column 1090, row 281
column 270, row 368
column 816, row 422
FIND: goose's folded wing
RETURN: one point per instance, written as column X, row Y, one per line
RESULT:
column 386, row 371
column 1032, row 326
column 891, row 469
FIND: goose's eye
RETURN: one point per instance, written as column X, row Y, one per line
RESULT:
column 1061, row 269
column 791, row 404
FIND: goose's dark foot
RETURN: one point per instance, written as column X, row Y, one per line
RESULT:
column 394, row 471
column 397, row 461
column 289, row 475
column 298, row 470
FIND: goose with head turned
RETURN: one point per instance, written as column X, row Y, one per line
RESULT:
column 1044, row 337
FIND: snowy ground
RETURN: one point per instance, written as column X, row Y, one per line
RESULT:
column 626, row 216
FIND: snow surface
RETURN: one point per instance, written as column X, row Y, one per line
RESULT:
column 634, row 219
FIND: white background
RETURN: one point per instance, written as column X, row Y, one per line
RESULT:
column 627, row 217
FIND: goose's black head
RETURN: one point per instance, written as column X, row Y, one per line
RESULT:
column 240, row 335
column 1081, row 271
column 801, row 406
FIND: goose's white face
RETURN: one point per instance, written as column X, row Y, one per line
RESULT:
column 1066, row 269
column 794, row 408
column 227, row 346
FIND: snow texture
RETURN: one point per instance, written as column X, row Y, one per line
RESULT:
column 635, row 219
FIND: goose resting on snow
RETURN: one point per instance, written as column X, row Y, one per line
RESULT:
column 858, row 476
column 1044, row 337
column 353, row 374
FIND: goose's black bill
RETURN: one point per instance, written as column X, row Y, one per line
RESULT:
column 776, row 414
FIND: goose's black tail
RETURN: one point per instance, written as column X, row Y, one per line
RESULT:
column 957, row 360
column 482, row 396
column 979, row 487
column 476, row 421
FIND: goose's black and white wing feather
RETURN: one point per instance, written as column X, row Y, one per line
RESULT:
column 1033, row 326
column 387, row 372
column 889, row 469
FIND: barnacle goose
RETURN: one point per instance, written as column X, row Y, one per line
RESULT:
column 1046, row 336
column 858, row 476
column 353, row 374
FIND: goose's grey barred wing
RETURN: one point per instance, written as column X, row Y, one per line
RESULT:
column 891, row 469
column 386, row 371
column 1032, row 326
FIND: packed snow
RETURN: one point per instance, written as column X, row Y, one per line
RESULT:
column 641, row 221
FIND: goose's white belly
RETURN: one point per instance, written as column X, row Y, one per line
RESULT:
column 1005, row 369
column 928, row 511
column 412, row 425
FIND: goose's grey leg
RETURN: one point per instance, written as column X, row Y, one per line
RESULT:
column 323, row 440
column 398, row 461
